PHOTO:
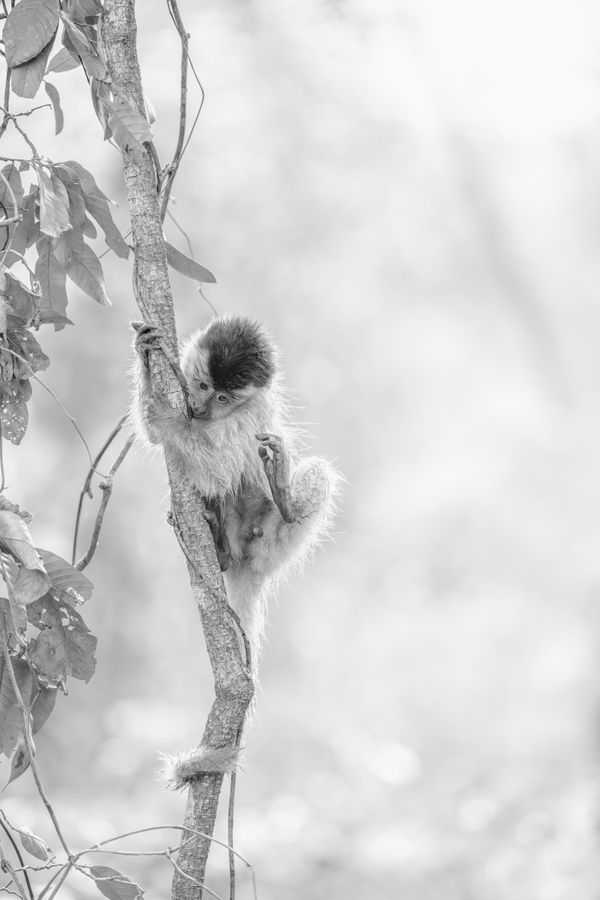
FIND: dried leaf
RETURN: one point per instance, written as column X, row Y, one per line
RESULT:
column 59, row 119
column 189, row 267
column 14, row 416
column 68, row 583
column 64, row 646
column 28, row 29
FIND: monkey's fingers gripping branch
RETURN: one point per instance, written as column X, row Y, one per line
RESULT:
column 148, row 338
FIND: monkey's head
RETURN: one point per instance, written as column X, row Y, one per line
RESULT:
column 226, row 365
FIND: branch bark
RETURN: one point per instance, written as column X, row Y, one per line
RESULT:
column 233, row 683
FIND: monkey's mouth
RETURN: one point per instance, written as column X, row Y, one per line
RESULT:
column 202, row 416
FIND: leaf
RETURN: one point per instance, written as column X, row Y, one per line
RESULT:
column 24, row 343
column 97, row 205
column 129, row 128
column 59, row 119
column 77, row 42
column 33, row 844
column 83, row 267
column 54, row 204
column 64, row 646
column 114, row 885
column 31, row 581
column 11, row 717
column 189, row 267
column 68, row 583
column 14, row 417
column 51, row 274
column 76, row 201
column 22, row 301
column 11, row 173
column 28, row 29
column 26, row 78
column 42, row 707
column 80, row 10
column 63, row 61
column 89, row 229
column 7, row 204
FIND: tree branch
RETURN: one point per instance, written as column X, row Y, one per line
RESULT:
column 233, row 683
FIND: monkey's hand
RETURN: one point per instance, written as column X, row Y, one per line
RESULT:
column 277, row 468
column 147, row 338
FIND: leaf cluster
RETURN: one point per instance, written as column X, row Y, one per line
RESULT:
column 44, row 637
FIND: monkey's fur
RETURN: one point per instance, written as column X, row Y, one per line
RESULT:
column 266, row 505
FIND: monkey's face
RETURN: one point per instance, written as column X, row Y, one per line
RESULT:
column 227, row 365
column 208, row 403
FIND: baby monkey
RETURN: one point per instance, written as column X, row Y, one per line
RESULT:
column 266, row 505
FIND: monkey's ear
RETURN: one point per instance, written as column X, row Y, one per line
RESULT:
column 178, row 770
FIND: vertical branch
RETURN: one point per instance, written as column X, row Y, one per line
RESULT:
column 233, row 683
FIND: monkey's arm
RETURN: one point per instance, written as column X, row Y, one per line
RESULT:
column 155, row 418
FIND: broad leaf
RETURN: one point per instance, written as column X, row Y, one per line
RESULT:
column 97, row 205
column 33, row 844
column 182, row 263
column 83, row 267
column 11, row 718
column 30, row 580
column 77, row 42
column 63, row 61
column 59, row 119
column 68, row 583
column 114, row 885
column 26, row 78
column 64, row 645
column 76, row 201
column 51, row 274
column 30, row 26
column 12, row 175
column 23, row 342
column 54, row 204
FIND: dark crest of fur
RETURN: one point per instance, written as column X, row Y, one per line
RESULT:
column 239, row 354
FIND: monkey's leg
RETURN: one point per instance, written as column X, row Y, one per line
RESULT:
column 219, row 537
column 277, row 469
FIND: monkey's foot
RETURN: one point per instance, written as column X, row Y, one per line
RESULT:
column 222, row 548
column 277, row 468
column 147, row 338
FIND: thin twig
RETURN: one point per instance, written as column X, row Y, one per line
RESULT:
column 7, row 867
column 171, row 170
column 87, row 484
column 106, row 488
column 5, row 824
column 5, row 118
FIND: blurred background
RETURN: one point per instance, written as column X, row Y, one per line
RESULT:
column 408, row 194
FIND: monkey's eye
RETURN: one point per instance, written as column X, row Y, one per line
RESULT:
column 203, row 386
column 222, row 398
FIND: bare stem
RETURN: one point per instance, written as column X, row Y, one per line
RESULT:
column 87, row 484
